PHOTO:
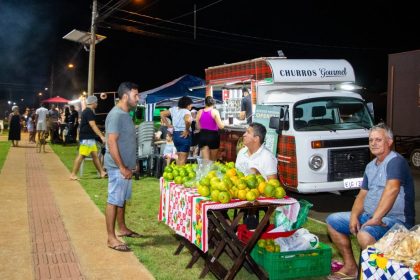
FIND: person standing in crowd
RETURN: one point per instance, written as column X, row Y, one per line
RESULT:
column 1, row 126
column 246, row 106
column 255, row 158
column 41, row 121
column 209, row 123
column 386, row 197
column 14, row 126
column 181, row 120
column 24, row 119
column 87, row 136
column 120, row 161
column 53, row 116
column 194, row 150
column 31, row 126
column 73, row 123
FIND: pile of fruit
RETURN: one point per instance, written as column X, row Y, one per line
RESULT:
column 269, row 245
column 185, row 174
column 224, row 182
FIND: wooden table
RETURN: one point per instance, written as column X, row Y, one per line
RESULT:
column 207, row 231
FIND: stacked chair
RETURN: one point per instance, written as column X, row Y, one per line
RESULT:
column 145, row 150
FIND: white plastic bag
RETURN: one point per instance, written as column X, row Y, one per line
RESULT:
column 302, row 239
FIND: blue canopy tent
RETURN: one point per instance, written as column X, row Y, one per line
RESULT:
column 169, row 93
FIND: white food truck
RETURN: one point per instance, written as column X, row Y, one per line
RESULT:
column 320, row 131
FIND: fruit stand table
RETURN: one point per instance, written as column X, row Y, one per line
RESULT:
column 198, row 220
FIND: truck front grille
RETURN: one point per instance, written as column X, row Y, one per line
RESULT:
column 347, row 163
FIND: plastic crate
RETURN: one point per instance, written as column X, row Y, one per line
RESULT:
column 245, row 235
column 296, row 264
column 258, row 255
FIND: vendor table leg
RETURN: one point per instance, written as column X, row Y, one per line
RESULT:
column 233, row 243
column 222, row 245
column 245, row 252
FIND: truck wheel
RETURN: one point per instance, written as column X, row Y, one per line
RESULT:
column 415, row 158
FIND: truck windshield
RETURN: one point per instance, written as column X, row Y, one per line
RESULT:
column 332, row 113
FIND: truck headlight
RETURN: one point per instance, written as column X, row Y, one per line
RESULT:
column 315, row 162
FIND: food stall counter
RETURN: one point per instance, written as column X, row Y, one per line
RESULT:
column 231, row 141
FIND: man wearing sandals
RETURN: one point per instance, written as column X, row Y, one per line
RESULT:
column 120, row 161
column 88, row 133
column 386, row 197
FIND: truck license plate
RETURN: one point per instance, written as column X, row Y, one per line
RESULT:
column 352, row 183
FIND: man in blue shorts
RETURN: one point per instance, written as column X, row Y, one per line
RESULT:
column 120, row 161
column 386, row 197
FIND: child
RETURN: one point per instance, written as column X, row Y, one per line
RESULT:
column 169, row 151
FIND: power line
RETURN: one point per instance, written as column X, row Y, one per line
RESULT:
column 256, row 38
column 198, row 10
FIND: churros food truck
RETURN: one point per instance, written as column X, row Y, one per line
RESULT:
column 317, row 129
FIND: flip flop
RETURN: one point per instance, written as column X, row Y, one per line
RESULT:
column 340, row 276
column 120, row 248
column 131, row 235
column 74, row 179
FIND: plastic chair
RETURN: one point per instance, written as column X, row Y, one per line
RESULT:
column 145, row 149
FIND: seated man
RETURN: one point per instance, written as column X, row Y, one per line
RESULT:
column 255, row 158
column 386, row 197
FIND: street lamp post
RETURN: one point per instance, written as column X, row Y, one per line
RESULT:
column 92, row 38
column 91, row 75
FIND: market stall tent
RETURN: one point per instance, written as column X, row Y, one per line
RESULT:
column 167, row 95
column 186, row 85
column 56, row 99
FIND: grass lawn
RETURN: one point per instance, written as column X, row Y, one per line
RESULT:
column 4, row 150
column 156, row 249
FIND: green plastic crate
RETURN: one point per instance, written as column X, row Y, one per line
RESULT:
column 258, row 255
column 296, row 264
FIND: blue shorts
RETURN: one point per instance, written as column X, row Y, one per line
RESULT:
column 182, row 144
column 119, row 189
column 341, row 221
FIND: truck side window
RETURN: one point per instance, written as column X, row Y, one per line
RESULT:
column 284, row 117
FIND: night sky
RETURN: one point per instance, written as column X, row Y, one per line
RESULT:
column 152, row 42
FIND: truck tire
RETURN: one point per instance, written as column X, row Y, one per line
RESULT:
column 415, row 158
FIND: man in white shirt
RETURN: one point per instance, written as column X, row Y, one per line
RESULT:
column 41, row 120
column 255, row 158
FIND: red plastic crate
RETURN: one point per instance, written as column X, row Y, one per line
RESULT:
column 245, row 235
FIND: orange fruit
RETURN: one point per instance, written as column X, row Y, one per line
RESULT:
column 261, row 187
column 224, row 197
column 268, row 191
column 215, row 195
column 251, row 181
column 279, row 192
column 274, row 182
column 242, row 194
column 231, row 172
column 203, row 190
column 250, row 196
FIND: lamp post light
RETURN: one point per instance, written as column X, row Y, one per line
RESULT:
column 91, row 38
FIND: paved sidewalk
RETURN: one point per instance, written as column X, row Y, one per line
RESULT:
column 50, row 227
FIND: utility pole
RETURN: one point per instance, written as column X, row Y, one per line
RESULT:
column 91, row 76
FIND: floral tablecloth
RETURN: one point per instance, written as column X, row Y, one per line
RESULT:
column 376, row 267
column 185, row 211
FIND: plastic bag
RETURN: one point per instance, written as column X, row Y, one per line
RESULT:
column 302, row 239
column 407, row 248
column 393, row 236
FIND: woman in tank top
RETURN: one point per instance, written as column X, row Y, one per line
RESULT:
column 209, row 123
column 181, row 124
